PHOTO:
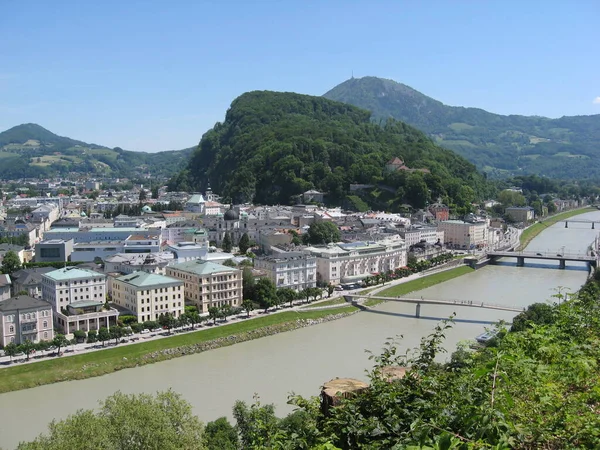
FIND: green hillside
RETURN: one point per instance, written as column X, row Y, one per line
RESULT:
column 500, row 145
column 273, row 146
column 30, row 150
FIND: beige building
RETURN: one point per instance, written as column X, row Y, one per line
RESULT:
column 347, row 263
column 25, row 318
column 520, row 213
column 208, row 284
column 464, row 235
column 149, row 295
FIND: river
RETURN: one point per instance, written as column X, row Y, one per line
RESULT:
column 302, row 360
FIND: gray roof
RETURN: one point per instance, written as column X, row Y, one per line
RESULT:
column 30, row 276
column 22, row 302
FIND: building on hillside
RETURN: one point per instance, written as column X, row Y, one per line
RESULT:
column 520, row 213
column 464, row 235
column 195, row 204
column 78, row 299
column 440, row 212
column 208, row 284
column 396, row 164
column 295, row 270
column 347, row 263
column 54, row 250
column 149, row 295
column 138, row 262
column 5, row 287
column 312, row 196
column 25, row 318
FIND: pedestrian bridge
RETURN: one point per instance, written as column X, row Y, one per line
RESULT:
column 562, row 258
column 356, row 299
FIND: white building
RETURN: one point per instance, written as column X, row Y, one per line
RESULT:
column 77, row 297
column 464, row 235
column 344, row 263
column 293, row 270
column 195, row 204
column 133, row 262
column 416, row 234
column 149, row 295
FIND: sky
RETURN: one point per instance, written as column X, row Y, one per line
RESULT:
column 156, row 75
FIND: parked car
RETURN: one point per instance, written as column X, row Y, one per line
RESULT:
column 539, row 254
column 339, row 288
column 145, row 331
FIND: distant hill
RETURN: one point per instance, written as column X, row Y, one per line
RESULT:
column 30, row 150
column 274, row 146
column 568, row 147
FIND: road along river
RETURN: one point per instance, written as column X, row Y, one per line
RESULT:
column 301, row 360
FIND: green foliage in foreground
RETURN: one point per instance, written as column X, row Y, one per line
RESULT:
column 534, row 388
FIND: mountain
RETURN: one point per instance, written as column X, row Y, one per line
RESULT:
column 500, row 145
column 30, row 150
column 274, row 146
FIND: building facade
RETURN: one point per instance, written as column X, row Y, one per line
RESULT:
column 149, row 295
column 293, row 270
column 345, row 263
column 208, row 284
column 25, row 318
column 520, row 213
column 464, row 235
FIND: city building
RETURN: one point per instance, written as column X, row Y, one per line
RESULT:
column 295, row 270
column 149, row 295
column 464, row 235
column 133, row 262
column 25, row 318
column 520, row 213
column 29, row 280
column 62, row 287
column 208, row 284
column 344, row 263
column 440, row 212
column 5, row 287
column 54, row 250
column 195, row 204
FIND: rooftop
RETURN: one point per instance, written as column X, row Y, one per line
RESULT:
column 201, row 267
column 70, row 273
column 145, row 279
column 22, row 302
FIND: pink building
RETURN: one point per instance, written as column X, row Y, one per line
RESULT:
column 25, row 318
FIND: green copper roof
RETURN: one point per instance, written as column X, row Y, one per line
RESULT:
column 145, row 279
column 201, row 267
column 72, row 273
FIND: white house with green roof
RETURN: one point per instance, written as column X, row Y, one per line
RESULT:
column 208, row 284
column 78, row 299
column 148, row 295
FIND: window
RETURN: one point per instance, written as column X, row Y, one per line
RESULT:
column 11, row 329
column 45, row 324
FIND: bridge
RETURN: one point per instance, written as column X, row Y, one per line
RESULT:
column 354, row 299
column 560, row 257
column 586, row 221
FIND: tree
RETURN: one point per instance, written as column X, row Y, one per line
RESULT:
column 11, row 263
column 226, row 310
column 79, row 335
column 116, row 333
column 248, row 283
column 248, row 306
column 330, row 289
column 416, row 191
column 511, row 198
column 11, row 349
column 287, row 295
column 323, row 233
column 167, row 321
column 227, row 243
column 142, row 196
column 221, row 435
column 59, row 341
column 214, row 313
column 537, row 313
column 257, row 424
column 92, row 336
column 244, row 243
column 155, row 192
column 229, row 263
column 127, row 422
column 103, row 335
column 265, row 293
column 27, row 347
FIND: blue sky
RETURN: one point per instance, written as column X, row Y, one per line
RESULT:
column 155, row 75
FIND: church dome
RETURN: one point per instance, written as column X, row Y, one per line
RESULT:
column 146, row 209
column 83, row 214
column 231, row 214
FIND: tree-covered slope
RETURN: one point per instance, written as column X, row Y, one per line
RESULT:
column 30, row 150
column 273, row 146
column 501, row 145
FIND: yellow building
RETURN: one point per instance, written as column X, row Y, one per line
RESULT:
column 148, row 295
column 208, row 284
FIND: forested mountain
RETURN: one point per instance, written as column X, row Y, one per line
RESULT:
column 30, row 150
column 274, row 146
column 568, row 147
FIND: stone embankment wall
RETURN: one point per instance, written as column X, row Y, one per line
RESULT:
column 269, row 330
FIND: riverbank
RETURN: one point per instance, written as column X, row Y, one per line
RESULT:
column 418, row 284
column 103, row 362
column 530, row 232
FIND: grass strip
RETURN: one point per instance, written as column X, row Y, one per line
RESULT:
column 535, row 229
column 424, row 282
column 333, row 301
column 102, row 362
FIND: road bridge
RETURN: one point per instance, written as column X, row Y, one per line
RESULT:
column 355, row 299
column 586, row 221
column 562, row 258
